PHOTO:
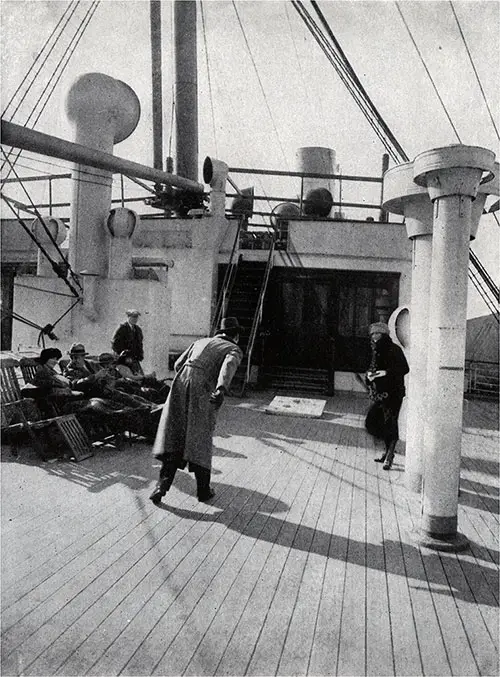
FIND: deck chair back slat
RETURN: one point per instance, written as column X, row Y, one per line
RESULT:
column 10, row 390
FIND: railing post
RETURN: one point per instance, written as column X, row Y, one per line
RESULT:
column 50, row 196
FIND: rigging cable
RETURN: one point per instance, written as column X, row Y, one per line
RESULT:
column 209, row 78
column 39, row 216
column 427, row 71
column 56, row 266
column 474, row 69
column 344, row 75
column 351, row 72
column 309, row 98
column 55, row 77
column 36, row 59
column 260, row 84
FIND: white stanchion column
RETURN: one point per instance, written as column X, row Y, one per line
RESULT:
column 452, row 176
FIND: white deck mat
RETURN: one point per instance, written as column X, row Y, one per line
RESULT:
column 296, row 406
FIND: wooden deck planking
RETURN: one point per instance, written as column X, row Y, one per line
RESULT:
column 379, row 655
column 351, row 656
column 152, row 638
column 306, row 533
column 189, row 565
column 300, row 636
column 180, row 651
column 324, row 654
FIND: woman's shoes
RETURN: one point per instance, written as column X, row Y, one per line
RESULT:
column 381, row 459
column 388, row 463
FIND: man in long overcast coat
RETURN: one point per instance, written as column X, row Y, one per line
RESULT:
column 203, row 375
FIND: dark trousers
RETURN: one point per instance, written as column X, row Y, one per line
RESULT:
column 169, row 468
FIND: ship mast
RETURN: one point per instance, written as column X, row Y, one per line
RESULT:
column 186, row 89
column 156, row 74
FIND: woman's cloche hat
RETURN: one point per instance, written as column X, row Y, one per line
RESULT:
column 379, row 328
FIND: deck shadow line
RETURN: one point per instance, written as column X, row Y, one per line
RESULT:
column 363, row 554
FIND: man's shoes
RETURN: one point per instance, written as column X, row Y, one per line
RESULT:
column 203, row 498
column 159, row 492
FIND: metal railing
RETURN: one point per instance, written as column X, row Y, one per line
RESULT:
column 481, row 378
column 228, row 283
column 257, row 318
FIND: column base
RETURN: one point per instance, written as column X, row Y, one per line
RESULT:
column 444, row 542
column 413, row 481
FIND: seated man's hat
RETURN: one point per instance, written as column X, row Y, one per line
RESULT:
column 77, row 349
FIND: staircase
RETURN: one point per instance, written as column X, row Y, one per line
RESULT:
column 243, row 304
column 297, row 379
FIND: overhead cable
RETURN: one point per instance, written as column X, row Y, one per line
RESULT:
column 353, row 76
column 474, row 69
column 260, row 83
column 59, row 69
column 427, row 71
column 71, row 6
column 40, row 246
column 39, row 216
column 56, row 266
column 344, row 72
column 209, row 78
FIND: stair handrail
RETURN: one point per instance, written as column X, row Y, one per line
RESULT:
column 227, row 285
column 257, row 318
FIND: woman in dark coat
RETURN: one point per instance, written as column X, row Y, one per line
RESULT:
column 385, row 380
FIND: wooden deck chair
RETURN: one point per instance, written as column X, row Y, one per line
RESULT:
column 28, row 367
column 49, row 437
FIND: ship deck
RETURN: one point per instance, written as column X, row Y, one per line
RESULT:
column 303, row 564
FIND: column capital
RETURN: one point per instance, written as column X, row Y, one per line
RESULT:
column 453, row 170
column 401, row 195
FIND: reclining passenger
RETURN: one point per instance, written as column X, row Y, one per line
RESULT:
column 146, row 385
column 108, row 403
column 99, row 380
column 53, row 385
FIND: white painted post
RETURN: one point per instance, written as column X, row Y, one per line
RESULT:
column 452, row 175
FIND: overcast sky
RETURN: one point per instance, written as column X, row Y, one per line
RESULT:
column 272, row 88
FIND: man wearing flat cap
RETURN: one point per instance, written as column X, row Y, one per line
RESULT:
column 386, row 386
column 203, row 374
column 128, row 336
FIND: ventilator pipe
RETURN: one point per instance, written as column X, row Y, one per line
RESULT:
column 452, row 176
column 215, row 174
column 57, row 229
column 317, row 160
column 402, row 196
column 104, row 111
column 121, row 224
column 90, row 283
